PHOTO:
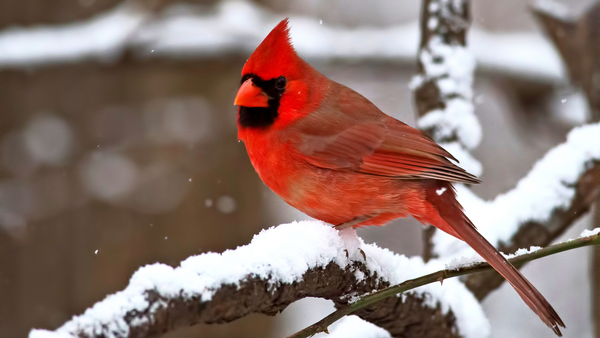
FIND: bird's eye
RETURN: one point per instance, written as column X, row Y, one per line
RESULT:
column 280, row 83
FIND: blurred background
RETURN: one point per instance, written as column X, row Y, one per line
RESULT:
column 118, row 142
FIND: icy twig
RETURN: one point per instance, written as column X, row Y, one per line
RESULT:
column 440, row 276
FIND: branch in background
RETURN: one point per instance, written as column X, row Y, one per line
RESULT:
column 577, row 44
column 280, row 265
column 558, row 190
column 547, row 201
column 588, row 238
column 595, row 278
column 443, row 85
column 179, row 30
column 577, row 41
column 541, row 234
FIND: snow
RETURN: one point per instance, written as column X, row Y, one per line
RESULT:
column 553, row 8
column 466, row 261
column 571, row 107
column 458, row 118
column 102, row 37
column 462, row 262
column 355, row 327
column 588, row 233
column 548, row 186
column 352, row 244
column 452, row 294
column 451, row 67
column 239, row 26
column 454, row 77
column 282, row 255
column 522, row 251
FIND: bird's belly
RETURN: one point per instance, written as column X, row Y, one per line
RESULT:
column 333, row 196
column 336, row 197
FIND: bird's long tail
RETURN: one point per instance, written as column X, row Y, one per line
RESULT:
column 442, row 197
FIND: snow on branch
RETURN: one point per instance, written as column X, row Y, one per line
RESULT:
column 239, row 26
column 103, row 37
column 573, row 183
column 587, row 238
column 550, row 185
column 559, row 189
column 443, row 85
column 280, row 265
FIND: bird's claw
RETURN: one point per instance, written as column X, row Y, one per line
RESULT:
column 363, row 254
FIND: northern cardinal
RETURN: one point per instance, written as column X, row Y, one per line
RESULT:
column 332, row 154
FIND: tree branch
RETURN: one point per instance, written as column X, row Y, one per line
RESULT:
column 281, row 265
column 577, row 41
column 541, row 233
column 440, row 276
column 442, row 92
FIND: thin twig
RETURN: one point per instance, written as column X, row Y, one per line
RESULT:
column 439, row 276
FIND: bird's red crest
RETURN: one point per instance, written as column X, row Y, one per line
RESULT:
column 275, row 56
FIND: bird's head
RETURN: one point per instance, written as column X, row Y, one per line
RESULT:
column 274, row 81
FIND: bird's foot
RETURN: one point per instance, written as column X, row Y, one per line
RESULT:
column 363, row 254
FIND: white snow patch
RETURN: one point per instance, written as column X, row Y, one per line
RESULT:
column 458, row 118
column 548, row 186
column 239, row 26
column 522, row 251
column 452, row 294
column 281, row 254
column 451, row 67
column 354, row 327
column 102, row 37
column 572, row 108
column 458, row 64
column 352, row 243
column 461, row 262
column 555, row 9
column 588, row 233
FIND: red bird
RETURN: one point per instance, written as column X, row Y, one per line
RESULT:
column 332, row 154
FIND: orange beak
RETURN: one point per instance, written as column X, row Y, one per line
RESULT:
column 250, row 95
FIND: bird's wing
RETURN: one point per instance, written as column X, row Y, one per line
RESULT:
column 370, row 142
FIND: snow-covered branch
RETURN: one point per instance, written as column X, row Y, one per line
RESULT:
column 576, row 39
column 587, row 238
column 443, row 85
column 237, row 27
column 563, row 185
column 280, row 265
column 558, row 190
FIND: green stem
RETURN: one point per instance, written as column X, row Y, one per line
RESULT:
column 323, row 324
